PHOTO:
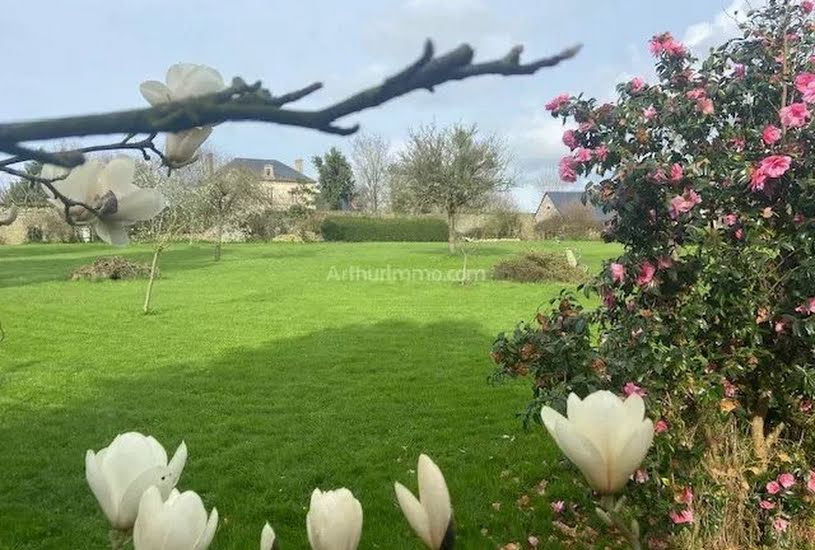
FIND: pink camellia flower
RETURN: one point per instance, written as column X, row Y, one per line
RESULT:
column 786, row 480
column 757, row 180
column 696, row 93
column 681, row 204
column 557, row 506
column 808, row 307
column 601, row 152
column 731, row 219
column 569, row 139
column 739, row 234
column 659, row 176
column 805, row 83
column 780, row 326
column 705, row 106
column 655, row 45
column 773, row 487
column 794, row 115
column 685, row 516
column 646, row 274
column 566, row 169
column 738, row 70
column 677, row 173
column 780, row 525
column 673, row 47
column 557, row 102
column 582, row 155
column 806, row 406
column 811, row 482
column 586, row 126
column 807, row 6
column 766, row 505
column 738, row 143
column 686, row 496
column 775, row 166
column 660, row 426
column 729, row 388
column 637, row 84
column 649, row 112
column 631, row 388
column 617, row 272
column 771, row 134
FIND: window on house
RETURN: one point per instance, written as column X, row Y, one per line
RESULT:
column 268, row 171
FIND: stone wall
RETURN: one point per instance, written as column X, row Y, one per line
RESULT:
column 37, row 224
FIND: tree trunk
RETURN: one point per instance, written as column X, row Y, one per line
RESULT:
column 219, row 239
column 149, row 294
column 451, row 231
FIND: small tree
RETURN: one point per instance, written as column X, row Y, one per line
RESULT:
column 25, row 193
column 452, row 170
column 371, row 158
column 336, row 180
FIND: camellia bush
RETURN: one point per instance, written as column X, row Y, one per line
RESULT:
column 709, row 314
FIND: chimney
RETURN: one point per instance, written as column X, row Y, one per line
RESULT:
column 298, row 165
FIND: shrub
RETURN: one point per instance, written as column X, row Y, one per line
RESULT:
column 538, row 267
column 710, row 311
column 358, row 228
column 111, row 267
column 498, row 225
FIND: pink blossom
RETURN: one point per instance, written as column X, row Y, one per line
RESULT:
column 677, row 173
column 649, row 112
column 808, row 307
column 601, row 152
column 705, row 106
column 655, row 45
column 786, row 480
column 757, row 180
column 775, row 166
column 660, row 426
column 729, row 388
column 686, row 496
column 731, row 219
column 659, row 176
column 696, row 93
column 582, row 155
column 807, row 6
column 646, row 274
column 617, row 272
column 585, row 126
column 738, row 70
column 780, row 326
column 673, row 47
column 773, row 487
column 806, row 406
column 640, row 476
column 811, row 482
column 766, row 505
column 681, row 204
column 685, row 516
column 738, row 144
column 566, row 169
column 739, row 234
column 557, row 506
column 569, row 139
column 780, row 525
column 794, row 115
column 805, row 83
column 637, row 84
column 771, row 134
column 631, row 388
column 557, row 102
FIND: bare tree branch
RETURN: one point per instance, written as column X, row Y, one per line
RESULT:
column 243, row 102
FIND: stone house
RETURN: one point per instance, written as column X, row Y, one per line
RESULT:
column 282, row 182
column 555, row 203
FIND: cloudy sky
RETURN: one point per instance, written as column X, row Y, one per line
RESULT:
column 90, row 55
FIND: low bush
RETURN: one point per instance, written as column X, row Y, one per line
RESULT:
column 538, row 267
column 358, row 229
column 575, row 222
column 111, row 267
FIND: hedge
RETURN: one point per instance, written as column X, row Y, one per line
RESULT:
column 357, row 229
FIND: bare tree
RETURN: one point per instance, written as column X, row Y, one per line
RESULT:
column 371, row 158
column 452, row 170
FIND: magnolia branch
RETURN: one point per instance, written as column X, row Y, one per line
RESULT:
column 251, row 102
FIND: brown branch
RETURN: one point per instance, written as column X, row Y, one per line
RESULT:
column 67, row 159
column 48, row 183
column 243, row 102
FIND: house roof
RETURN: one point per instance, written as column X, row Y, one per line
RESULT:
column 563, row 198
column 282, row 172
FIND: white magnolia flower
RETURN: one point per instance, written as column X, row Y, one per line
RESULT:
column 184, row 80
column 267, row 538
column 122, row 471
column 180, row 523
column 431, row 516
column 334, row 520
column 604, row 436
column 108, row 189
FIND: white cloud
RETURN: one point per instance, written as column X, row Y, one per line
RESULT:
column 724, row 25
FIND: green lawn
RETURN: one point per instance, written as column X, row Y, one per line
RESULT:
column 279, row 380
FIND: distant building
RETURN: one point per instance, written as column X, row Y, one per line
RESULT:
column 554, row 203
column 282, row 181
